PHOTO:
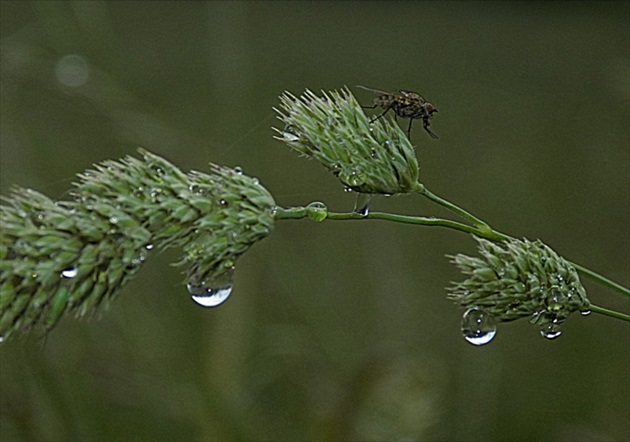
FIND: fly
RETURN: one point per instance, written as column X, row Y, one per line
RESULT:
column 405, row 104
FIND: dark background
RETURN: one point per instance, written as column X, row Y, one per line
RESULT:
column 338, row 330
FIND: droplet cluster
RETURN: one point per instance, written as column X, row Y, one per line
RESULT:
column 520, row 279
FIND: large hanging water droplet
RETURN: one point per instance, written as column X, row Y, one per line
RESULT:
column 362, row 205
column 550, row 331
column 212, row 292
column 478, row 327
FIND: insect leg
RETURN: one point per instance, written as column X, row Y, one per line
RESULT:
column 426, row 124
column 384, row 112
column 409, row 129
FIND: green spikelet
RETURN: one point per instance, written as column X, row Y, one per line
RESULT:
column 520, row 279
column 74, row 256
column 333, row 129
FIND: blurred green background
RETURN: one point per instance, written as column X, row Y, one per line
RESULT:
column 338, row 330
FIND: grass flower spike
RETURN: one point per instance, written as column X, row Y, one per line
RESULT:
column 73, row 256
column 333, row 129
column 519, row 279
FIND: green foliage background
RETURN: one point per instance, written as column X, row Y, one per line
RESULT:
column 335, row 331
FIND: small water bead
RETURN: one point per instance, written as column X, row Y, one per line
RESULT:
column 70, row 272
column 555, row 300
column 140, row 258
column 478, row 327
column 352, row 177
column 585, row 312
column 559, row 278
column 289, row 136
column 238, row 170
column 138, row 192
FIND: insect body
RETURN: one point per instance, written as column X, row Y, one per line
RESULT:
column 405, row 104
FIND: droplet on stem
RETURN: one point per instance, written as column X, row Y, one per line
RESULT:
column 362, row 205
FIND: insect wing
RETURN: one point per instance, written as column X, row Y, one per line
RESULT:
column 413, row 96
column 376, row 91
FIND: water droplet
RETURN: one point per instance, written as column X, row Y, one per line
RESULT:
column 70, row 272
column 138, row 192
column 585, row 312
column 317, row 211
column 148, row 246
column 213, row 292
column 352, row 177
column 223, row 202
column 238, row 170
column 551, row 331
column 555, row 299
column 559, row 278
column 478, row 326
column 289, row 136
column 139, row 259
column 113, row 219
column 362, row 205
column 1, row 339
